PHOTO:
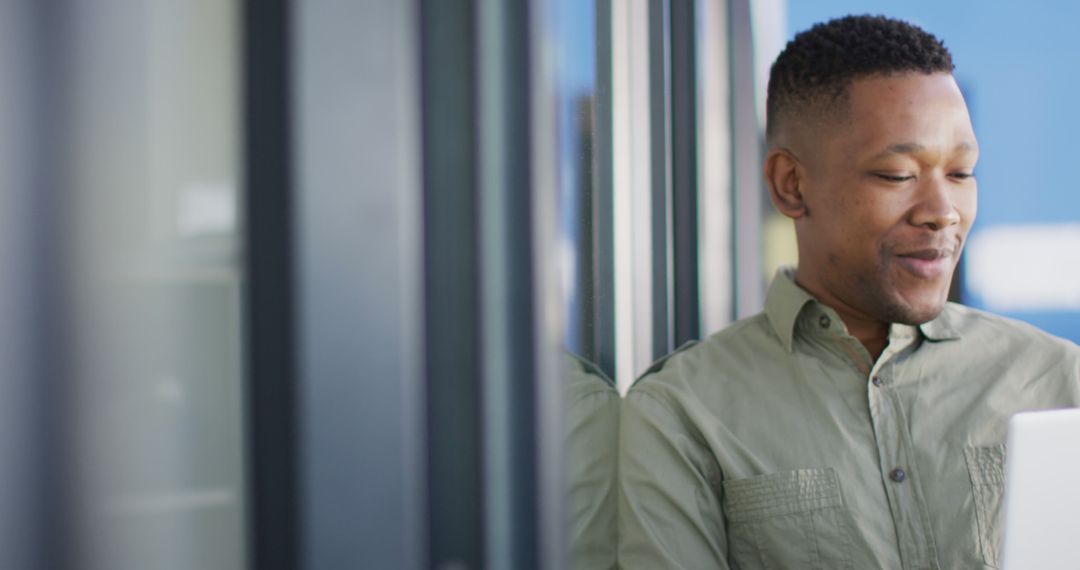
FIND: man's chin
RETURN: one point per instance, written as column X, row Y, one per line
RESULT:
column 914, row 313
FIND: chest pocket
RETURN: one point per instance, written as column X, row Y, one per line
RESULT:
column 986, row 467
column 792, row 519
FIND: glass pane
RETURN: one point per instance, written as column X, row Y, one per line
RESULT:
column 576, row 92
column 153, row 207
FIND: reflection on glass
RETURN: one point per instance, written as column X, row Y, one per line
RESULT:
column 575, row 92
column 152, row 126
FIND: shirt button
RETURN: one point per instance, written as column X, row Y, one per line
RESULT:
column 876, row 380
column 898, row 475
column 824, row 321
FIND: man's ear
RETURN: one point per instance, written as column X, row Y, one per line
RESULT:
column 784, row 175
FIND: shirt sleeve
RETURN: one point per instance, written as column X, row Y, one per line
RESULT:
column 669, row 485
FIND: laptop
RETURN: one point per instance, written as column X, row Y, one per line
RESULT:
column 1042, row 491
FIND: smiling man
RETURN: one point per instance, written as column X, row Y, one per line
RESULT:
column 859, row 421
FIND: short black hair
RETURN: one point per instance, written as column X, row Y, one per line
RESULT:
column 813, row 72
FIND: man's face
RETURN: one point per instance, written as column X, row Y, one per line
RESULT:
column 890, row 197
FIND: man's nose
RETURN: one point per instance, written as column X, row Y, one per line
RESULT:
column 935, row 208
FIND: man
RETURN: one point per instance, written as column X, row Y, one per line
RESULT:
column 859, row 421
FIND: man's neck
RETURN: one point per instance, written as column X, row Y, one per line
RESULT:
column 871, row 334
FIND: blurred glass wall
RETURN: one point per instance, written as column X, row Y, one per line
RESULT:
column 147, row 179
column 403, row 183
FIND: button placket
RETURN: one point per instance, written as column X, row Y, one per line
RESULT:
column 889, row 422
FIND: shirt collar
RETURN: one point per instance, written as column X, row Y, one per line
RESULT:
column 942, row 327
column 785, row 301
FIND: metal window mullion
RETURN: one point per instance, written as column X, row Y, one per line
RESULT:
column 452, row 277
column 661, row 176
column 602, row 218
column 509, row 373
column 270, row 363
column 684, row 169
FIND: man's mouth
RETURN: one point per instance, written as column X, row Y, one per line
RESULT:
column 929, row 263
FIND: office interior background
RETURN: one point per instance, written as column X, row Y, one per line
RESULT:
column 286, row 284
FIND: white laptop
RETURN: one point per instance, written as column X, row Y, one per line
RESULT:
column 1042, row 491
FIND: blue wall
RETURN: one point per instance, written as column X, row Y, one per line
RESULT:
column 1017, row 63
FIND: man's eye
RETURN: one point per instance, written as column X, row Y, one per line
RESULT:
column 893, row 177
column 962, row 175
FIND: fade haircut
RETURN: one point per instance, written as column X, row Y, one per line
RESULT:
column 810, row 78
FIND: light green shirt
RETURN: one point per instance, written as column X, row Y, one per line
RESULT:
column 779, row 443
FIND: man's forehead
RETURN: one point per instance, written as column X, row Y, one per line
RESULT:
column 885, row 113
column 907, row 114
column 909, row 92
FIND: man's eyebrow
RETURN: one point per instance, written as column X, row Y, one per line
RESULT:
column 965, row 147
column 914, row 148
column 901, row 148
